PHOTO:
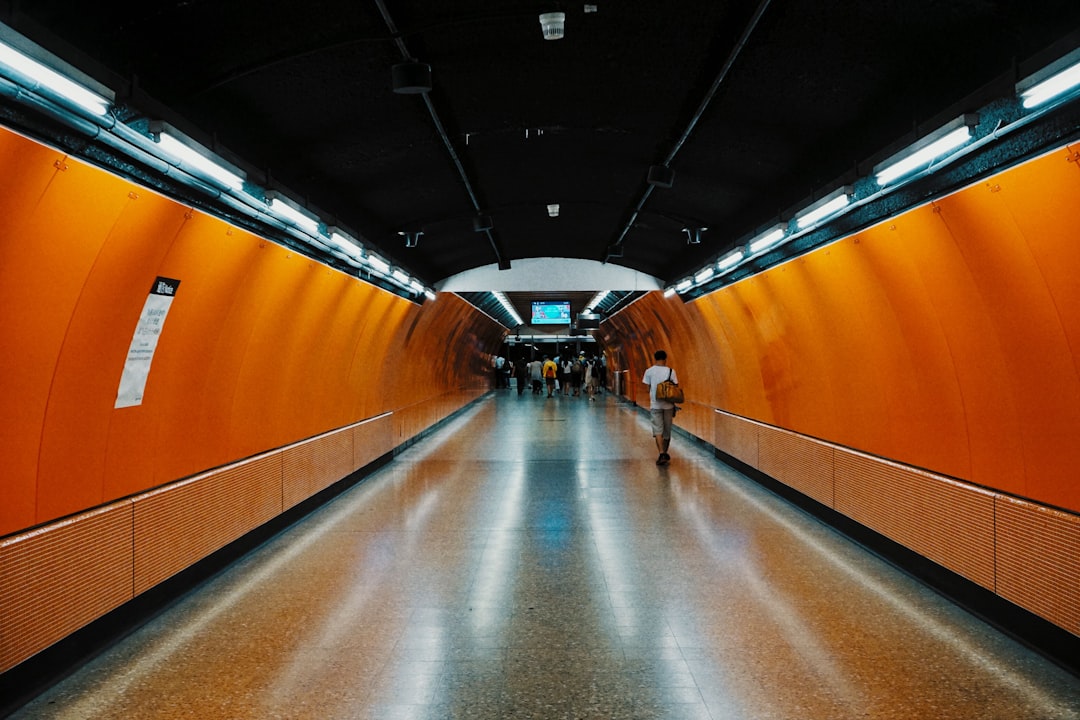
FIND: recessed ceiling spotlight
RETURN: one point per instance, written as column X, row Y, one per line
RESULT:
column 553, row 25
column 553, row 210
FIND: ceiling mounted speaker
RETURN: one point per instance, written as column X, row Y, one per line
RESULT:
column 661, row 176
column 411, row 77
column 481, row 223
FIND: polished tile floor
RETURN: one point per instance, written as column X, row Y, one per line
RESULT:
column 529, row 560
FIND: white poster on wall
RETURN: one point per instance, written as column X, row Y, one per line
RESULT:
column 144, row 342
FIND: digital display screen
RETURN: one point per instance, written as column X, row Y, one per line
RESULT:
column 551, row 313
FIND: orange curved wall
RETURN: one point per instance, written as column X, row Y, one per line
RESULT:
column 947, row 338
column 261, row 347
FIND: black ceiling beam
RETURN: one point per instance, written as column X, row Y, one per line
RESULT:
column 615, row 248
column 500, row 256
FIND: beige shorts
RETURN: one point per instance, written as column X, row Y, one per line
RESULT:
column 661, row 422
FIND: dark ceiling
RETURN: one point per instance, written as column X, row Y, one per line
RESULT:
column 755, row 106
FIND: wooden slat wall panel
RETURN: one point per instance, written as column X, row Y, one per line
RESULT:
column 183, row 523
column 1027, row 553
column 696, row 419
column 409, row 421
column 737, row 437
column 315, row 464
column 946, row 521
column 1038, row 560
column 55, row 579
column 62, row 576
column 372, row 440
column 414, row 419
column 800, row 462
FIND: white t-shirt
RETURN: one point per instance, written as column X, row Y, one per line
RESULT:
column 653, row 377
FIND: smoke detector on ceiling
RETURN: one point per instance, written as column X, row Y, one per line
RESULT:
column 553, row 24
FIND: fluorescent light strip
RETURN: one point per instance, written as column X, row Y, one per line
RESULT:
column 730, row 260
column 507, row 306
column 187, row 155
column 767, row 239
column 342, row 243
column 599, row 298
column 287, row 212
column 669, row 292
column 54, row 81
column 401, row 276
column 378, row 264
column 925, row 156
column 704, row 274
column 827, row 209
column 684, row 285
column 1052, row 87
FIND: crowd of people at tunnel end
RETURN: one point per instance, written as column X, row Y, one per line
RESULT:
column 569, row 375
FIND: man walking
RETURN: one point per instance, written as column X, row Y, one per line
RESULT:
column 661, row 412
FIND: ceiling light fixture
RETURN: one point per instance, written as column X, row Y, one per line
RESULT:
column 1052, row 82
column 730, row 260
column 185, row 153
column 553, row 25
column 553, row 210
column 43, row 76
column 411, row 77
column 597, row 299
column 344, row 244
column 704, row 274
column 378, row 264
column 824, row 208
column 508, row 307
column 922, row 154
column 684, row 285
column 767, row 239
column 285, row 210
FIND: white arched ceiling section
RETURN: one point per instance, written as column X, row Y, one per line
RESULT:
column 546, row 274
